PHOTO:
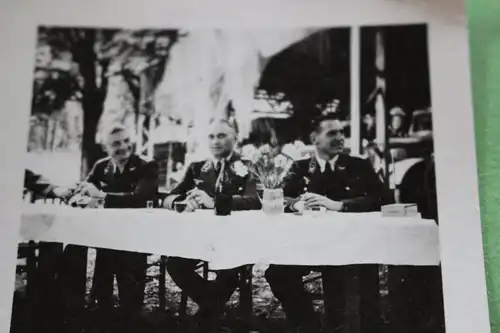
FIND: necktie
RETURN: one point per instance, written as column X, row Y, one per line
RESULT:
column 218, row 167
column 117, row 172
column 328, row 169
column 221, row 166
column 328, row 179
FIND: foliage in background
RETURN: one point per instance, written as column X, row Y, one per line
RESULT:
column 75, row 64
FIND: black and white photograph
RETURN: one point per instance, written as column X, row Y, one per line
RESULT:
column 230, row 180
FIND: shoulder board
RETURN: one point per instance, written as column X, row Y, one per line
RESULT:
column 355, row 158
column 245, row 160
column 303, row 161
column 206, row 160
column 103, row 160
column 204, row 165
column 145, row 159
column 199, row 162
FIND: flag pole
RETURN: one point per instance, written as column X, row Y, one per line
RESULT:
column 380, row 103
column 355, row 140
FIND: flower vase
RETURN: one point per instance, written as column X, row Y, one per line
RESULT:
column 273, row 201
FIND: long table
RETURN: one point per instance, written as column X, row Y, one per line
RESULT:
column 245, row 237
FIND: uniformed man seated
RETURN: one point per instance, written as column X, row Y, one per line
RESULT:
column 330, row 181
column 122, row 180
column 196, row 191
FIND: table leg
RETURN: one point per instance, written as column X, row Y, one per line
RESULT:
column 73, row 281
column 162, row 281
column 246, row 301
column 31, row 273
column 183, row 306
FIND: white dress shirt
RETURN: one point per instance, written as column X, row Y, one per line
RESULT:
column 227, row 159
column 322, row 162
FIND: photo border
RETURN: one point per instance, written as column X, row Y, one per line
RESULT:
column 464, row 286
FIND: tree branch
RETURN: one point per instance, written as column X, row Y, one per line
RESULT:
column 104, row 63
column 133, row 84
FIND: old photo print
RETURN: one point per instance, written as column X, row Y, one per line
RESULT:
column 215, row 178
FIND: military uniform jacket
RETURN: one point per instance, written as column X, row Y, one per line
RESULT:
column 353, row 182
column 37, row 184
column 203, row 175
column 131, row 188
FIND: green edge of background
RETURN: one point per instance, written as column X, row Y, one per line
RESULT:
column 484, row 37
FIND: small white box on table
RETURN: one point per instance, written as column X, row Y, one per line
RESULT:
column 400, row 210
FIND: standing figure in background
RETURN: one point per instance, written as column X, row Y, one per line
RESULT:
column 369, row 130
column 376, row 158
column 262, row 133
column 396, row 127
column 122, row 180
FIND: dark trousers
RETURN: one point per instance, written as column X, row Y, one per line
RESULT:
column 211, row 296
column 287, row 286
column 416, row 298
column 73, row 280
column 130, row 271
column 44, row 294
column 56, row 293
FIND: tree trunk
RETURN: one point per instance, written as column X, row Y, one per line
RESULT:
column 92, row 100
column 91, row 151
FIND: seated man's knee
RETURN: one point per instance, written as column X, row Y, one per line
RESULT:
column 274, row 274
column 282, row 274
column 173, row 264
column 228, row 276
column 176, row 265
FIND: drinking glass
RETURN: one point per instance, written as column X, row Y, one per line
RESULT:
column 179, row 206
column 100, row 203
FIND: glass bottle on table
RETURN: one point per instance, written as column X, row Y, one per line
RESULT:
column 100, row 203
column 223, row 199
column 300, row 205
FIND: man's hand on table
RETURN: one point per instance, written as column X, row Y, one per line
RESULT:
column 94, row 203
column 91, row 190
column 201, row 198
column 191, row 205
column 313, row 200
column 62, row 192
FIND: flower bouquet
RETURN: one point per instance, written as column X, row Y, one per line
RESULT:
column 270, row 167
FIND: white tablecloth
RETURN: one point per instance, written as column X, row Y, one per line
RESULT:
column 246, row 237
